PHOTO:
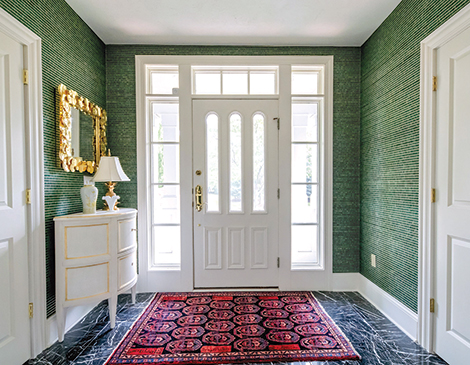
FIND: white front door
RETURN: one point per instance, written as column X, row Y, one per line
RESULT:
column 452, row 337
column 14, row 318
column 235, row 165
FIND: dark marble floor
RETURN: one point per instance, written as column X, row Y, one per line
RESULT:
column 378, row 341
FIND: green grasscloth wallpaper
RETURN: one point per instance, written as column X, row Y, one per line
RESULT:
column 74, row 56
column 390, row 144
column 121, row 107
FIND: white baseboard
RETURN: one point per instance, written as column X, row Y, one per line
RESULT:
column 403, row 317
column 345, row 282
column 73, row 315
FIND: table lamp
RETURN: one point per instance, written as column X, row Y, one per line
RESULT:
column 110, row 171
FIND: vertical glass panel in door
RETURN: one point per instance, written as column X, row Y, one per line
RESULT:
column 259, row 200
column 304, row 122
column 236, row 188
column 165, row 163
column 304, row 245
column 166, row 204
column 304, row 163
column 304, row 203
column 165, row 122
column 212, row 162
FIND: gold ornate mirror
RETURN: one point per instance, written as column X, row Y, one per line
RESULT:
column 82, row 127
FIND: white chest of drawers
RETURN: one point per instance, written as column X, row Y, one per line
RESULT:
column 95, row 257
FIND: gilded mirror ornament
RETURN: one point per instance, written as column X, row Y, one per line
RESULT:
column 75, row 113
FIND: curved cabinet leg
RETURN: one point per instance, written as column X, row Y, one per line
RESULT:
column 133, row 293
column 60, row 316
column 112, row 304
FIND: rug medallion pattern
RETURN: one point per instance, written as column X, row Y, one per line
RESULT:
column 221, row 327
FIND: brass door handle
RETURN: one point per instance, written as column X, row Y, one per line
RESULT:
column 198, row 197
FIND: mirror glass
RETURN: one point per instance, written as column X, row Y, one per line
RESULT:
column 82, row 135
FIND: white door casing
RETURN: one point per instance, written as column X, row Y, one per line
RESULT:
column 161, row 279
column 14, row 318
column 236, row 232
column 452, row 210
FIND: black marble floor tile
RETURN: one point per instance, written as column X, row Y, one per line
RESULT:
column 378, row 341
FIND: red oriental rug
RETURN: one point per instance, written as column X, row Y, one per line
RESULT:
column 208, row 328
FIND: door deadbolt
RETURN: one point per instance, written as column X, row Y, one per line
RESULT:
column 198, row 172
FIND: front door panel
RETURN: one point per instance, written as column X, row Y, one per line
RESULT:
column 236, row 182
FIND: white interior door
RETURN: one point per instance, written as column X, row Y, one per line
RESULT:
column 235, row 230
column 453, row 201
column 14, row 318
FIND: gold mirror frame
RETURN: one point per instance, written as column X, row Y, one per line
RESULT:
column 70, row 99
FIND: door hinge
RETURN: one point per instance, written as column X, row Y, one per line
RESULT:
column 31, row 310
column 278, row 122
column 25, row 77
column 28, row 196
column 434, row 83
column 433, row 195
column 279, row 193
column 278, row 262
column 431, row 305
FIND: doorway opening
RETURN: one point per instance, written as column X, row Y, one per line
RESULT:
column 236, row 186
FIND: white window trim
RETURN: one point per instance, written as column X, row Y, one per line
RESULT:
column 182, row 280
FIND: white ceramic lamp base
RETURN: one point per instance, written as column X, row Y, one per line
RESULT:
column 111, row 201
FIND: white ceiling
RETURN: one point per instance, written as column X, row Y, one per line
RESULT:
column 234, row 22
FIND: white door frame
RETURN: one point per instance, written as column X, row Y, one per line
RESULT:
column 319, row 279
column 454, row 26
column 34, row 175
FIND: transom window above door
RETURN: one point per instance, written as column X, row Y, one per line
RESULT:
column 233, row 80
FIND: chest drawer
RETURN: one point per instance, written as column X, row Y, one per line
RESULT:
column 127, row 237
column 86, row 240
column 127, row 269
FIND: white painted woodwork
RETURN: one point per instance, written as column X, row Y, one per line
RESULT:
column 78, row 283
column 154, row 278
column 14, row 282
column 105, row 265
column 212, row 248
column 236, row 247
column 225, row 241
column 86, row 241
column 127, row 234
column 452, row 210
column 259, row 247
column 127, row 270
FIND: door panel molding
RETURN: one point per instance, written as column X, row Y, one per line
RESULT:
column 34, row 174
column 453, row 27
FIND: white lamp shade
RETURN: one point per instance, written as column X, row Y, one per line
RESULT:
column 110, row 170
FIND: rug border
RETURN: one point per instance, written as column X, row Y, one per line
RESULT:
column 130, row 328
column 246, row 357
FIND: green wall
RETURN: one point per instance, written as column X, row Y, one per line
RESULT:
column 121, row 107
column 74, row 56
column 390, row 144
